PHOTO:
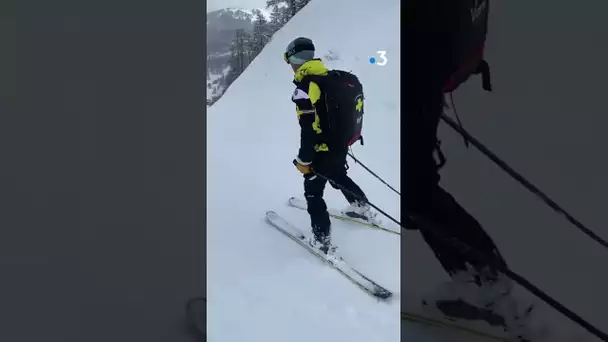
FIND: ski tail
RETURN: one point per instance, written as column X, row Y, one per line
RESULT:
column 446, row 324
column 354, row 276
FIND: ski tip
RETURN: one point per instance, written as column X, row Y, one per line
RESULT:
column 384, row 295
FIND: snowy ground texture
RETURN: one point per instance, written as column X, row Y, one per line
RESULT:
column 261, row 285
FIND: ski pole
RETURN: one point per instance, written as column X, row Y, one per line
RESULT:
column 372, row 173
column 497, row 265
column 361, row 199
column 488, row 259
column 523, row 181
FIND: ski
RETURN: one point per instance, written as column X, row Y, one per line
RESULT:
column 301, row 204
column 447, row 324
column 461, row 316
column 339, row 264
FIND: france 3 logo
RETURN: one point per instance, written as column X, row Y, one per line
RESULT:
column 381, row 60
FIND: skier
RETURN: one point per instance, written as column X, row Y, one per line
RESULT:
column 329, row 105
column 476, row 285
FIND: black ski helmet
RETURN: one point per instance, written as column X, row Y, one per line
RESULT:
column 299, row 51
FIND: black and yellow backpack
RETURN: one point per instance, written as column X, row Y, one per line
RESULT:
column 343, row 97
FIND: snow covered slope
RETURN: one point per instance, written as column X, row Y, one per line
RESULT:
column 261, row 285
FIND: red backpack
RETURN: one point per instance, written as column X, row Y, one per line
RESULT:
column 464, row 30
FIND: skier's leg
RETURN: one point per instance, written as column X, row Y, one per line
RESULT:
column 425, row 201
column 468, row 230
column 314, row 187
column 351, row 191
column 341, row 181
column 316, row 207
column 453, row 221
column 359, row 207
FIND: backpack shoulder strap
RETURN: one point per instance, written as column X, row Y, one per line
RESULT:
column 318, row 79
column 484, row 69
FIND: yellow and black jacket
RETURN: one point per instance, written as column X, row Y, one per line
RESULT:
column 312, row 111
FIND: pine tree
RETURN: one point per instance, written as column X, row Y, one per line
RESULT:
column 291, row 9
column 279, row 15
column 261, row 33
column 299, row 4
column 240, row 55
column 291, row 4
column 274, row 3
column 283, row 10
column 246, row 47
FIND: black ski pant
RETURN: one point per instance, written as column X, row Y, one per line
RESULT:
column 435, row 213
column 334, row 167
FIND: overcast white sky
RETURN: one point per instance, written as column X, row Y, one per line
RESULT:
column 213, row 5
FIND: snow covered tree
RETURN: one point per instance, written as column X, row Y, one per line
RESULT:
column 293, row 6
column 283, row 10
column 279, row 16
column 275, row 3
column 261, row 33
column 299, row 4
column 240, row 55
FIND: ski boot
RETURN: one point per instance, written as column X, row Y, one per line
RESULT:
column 466, row 295
column 470, row 296
column 518, row 318
column 322, row 242
column 361, row 211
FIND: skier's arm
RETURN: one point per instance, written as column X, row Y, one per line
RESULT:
column 309, row 121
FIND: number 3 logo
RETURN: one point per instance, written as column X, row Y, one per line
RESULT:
column 383, row 58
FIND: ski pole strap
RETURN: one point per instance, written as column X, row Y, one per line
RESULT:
column 484, row 69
